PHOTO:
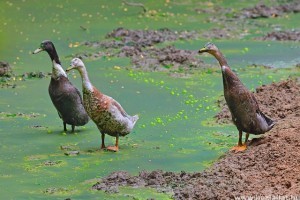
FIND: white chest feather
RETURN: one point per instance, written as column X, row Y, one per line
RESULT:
column 223, row 68
column 57, row 70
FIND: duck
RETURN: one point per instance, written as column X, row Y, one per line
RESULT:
column 243, row 106
column 65, row 97
column 108, row 115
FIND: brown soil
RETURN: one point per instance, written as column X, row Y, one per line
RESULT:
column 150, row 37
column 236, row 23
column 139, row 46
column 162, row 59
column 263, row 11
column 121, row 37
column 292, row 35
column 5, row 69
column 270, row 165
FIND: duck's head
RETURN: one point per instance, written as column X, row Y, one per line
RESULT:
column 46, row 45
column 76, row 63
column 209, row 48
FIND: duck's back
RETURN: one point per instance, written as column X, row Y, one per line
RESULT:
column 108, row 114
column 67, row 100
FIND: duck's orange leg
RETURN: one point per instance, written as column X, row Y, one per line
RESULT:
column 240, row 146
column 114, row 148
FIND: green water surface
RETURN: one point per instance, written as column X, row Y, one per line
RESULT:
column 175, row 131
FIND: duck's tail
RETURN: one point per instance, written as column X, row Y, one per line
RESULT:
column 134, row 118
column 269, row 121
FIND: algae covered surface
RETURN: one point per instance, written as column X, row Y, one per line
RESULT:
column 175, row 97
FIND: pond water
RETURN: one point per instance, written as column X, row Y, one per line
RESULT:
column 175, row 131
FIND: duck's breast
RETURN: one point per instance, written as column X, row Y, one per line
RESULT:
column 67, row 100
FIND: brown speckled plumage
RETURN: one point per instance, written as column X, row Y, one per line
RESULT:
column 107, row 113
column 102, row 108
column 242, row 104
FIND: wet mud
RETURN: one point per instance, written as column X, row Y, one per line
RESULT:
column 140, row 47
column 263, row 11
column 236, row 23
column 5, row 69
column 270, row 165
column 142, row 38
column 288, row 35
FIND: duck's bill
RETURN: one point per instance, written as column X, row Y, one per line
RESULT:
column 69, row 69
column 202, row 50
column 38, row 50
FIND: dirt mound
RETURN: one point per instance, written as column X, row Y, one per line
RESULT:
column 292, row 35
column 139, row 46
column 162, row 59
column 141, row 38
column 150, row 37
column 263, row 11
column 5, row 69
column 276, row 100
column 270, row 165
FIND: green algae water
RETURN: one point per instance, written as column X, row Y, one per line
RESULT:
column 175, row 131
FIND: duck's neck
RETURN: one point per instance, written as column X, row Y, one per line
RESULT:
column 86, row 83
column 219, row 56
column 57, row 70
column 229, row 78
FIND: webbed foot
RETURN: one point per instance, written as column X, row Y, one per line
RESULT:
column 239, row 148
column 113, row 148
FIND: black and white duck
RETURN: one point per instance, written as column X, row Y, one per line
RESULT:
column 65, row 97
column 107, row 113
column 242, row 104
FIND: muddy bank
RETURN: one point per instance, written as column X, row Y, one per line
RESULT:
column 270, row 165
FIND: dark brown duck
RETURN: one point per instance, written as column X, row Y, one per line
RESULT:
column 242, row 104
column 65, row 97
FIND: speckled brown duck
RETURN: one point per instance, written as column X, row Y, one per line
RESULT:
column 242, row 104
column 65, row 97
column 107, row 113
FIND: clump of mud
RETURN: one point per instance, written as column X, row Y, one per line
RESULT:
column 142, row 38
column 162, row 59
column 234, row 24
column 139, row 46
column 150, row 37
column 35, row 75
column 277, row 101
column 263, row 11
column 270, row 165
column 290, row 35
column 5, row 69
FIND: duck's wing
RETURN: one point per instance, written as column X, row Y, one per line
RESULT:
column 118, row 107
